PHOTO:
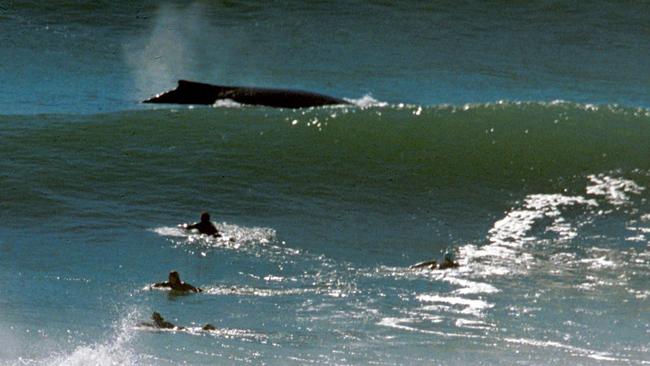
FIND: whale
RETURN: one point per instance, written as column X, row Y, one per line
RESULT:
column 192, row 92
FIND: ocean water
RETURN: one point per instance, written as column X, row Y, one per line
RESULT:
column 514, row 134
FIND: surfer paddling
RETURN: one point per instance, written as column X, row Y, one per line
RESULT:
column 205, row 226
column 447, row 263
column 174, row 282
column 160, row 323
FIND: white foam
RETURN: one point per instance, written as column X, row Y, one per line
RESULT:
column 596, row 355
column 271, row 278
column 513, row 229
column 551, row 202
column 398, row 323
column 615, row 190
column 506, row 253
column 367, row 101
column 226, row 103
column 471, row 287
column 253, row 291
column 471, row 306
column 472, row 324
column 598, row 263
column 170, row 231
column 495, row 260
column 232, row 236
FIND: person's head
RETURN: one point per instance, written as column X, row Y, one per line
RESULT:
column 449, row 256
column 156, row 316
column 174, row 277
column 205, row 217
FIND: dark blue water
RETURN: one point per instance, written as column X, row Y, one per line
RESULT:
column 105, row 56
column 511, row 134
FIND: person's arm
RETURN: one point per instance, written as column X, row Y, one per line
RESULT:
column 215, row 231
column 162, row 284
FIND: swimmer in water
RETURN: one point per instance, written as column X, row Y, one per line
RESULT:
column 205, row 226
column 176, row 284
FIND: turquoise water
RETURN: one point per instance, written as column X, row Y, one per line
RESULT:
column 513, row 134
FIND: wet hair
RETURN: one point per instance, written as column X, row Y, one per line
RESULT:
column 205, row 216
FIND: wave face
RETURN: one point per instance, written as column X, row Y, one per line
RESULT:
column 374, row 156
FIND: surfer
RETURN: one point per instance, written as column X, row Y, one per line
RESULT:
column 205, row 226
column 160, row 322
column 176, row 284
column 208, row 327
column 447, row 263
column 432, row 264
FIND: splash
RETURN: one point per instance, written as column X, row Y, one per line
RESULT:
column 367, row 101
column 114, row 351
column 232, row 236
column 226, row 103
column 171, row 49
